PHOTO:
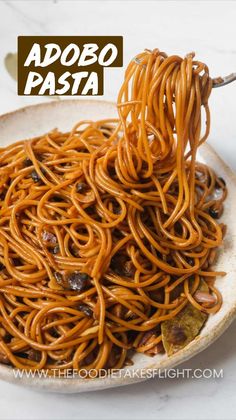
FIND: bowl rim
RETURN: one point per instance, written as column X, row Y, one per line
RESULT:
column 76, row 385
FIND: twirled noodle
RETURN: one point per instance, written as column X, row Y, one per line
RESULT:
column 109, row 230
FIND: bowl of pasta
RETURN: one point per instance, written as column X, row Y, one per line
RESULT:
column 115, row 255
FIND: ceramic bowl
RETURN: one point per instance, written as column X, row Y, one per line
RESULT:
column 36, row 120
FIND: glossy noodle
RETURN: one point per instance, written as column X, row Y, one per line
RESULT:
column 110, row 230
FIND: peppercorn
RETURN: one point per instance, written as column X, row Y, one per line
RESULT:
column 81, row 187
column 27, row 162
column 85, row 309
column 35, row 176
column 214, row 213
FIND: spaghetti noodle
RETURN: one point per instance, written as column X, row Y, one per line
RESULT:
column 108, row 231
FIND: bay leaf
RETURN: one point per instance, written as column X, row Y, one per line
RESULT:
column 179, row 331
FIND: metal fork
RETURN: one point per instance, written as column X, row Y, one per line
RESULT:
column 222, row 81
column 217, row 81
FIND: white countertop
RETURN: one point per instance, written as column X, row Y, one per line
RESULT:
column 176, row 27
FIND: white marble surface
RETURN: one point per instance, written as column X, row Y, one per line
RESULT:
column 176, row 27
